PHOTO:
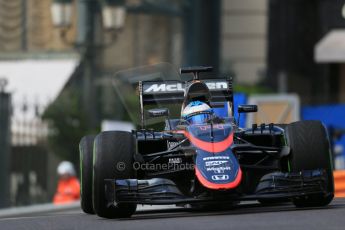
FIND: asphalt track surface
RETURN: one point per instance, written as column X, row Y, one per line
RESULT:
column 246, row 216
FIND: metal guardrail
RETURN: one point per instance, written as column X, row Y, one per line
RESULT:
column 37, row 209
column 46, row 209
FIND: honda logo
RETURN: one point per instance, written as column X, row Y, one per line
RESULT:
column 220, row 177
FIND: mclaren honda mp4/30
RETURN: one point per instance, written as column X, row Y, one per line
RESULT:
column 203, row 158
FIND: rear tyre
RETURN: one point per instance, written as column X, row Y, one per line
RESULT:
column 310, row 149
column 112, row 149
column 85, row 154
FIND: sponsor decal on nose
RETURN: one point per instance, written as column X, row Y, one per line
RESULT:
column 220, row 177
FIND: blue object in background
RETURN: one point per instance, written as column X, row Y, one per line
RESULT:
column 239, row 99
column 330, row 115
column 221, row 111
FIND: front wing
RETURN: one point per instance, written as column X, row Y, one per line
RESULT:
column 158, row 191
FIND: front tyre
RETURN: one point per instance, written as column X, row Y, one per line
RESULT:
column 310, row 150
column 112, row 148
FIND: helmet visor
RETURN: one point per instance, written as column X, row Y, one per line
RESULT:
column 199, row 118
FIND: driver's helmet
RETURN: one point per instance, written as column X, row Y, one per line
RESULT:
column 197, row 112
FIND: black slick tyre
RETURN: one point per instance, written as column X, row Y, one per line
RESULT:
column 111, row 150
column 310, row 150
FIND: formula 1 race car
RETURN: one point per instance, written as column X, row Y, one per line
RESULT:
column 202, row 158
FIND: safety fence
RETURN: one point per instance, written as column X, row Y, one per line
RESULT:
column 32, row 172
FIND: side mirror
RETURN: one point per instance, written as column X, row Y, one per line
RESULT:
column 247, row 108
column 164, row 112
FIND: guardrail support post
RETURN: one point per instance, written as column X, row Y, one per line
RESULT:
column 5, row 144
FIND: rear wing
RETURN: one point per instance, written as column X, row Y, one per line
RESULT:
column 172, row 91
column 167, row 92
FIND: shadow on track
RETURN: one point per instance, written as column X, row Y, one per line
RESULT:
column 241, row 209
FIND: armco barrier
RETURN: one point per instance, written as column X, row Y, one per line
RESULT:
column 339, row 183
column 51, row 209
column 34, row 210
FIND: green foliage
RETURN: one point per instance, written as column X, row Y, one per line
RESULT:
column 68, row 124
